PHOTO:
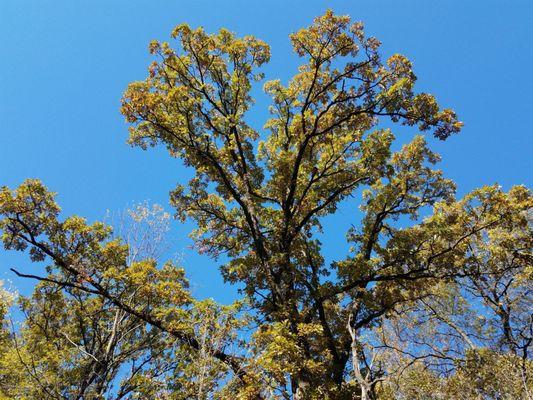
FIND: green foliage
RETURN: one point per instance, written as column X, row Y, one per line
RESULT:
column 432, row 302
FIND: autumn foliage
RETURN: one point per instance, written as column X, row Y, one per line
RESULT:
column 432, row 302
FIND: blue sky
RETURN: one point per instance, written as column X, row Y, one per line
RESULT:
column 65, row 64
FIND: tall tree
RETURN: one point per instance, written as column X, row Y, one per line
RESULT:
column 350, row 329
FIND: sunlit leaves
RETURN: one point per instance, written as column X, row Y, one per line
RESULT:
column 403, row 304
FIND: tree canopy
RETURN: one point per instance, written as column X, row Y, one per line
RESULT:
column 432, row 301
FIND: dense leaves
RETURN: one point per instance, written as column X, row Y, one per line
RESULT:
column 434, row 293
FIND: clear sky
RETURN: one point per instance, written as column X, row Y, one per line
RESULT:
column 65, row 64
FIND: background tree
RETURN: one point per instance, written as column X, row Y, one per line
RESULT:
column 361, row 327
